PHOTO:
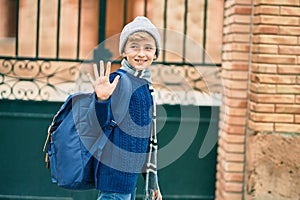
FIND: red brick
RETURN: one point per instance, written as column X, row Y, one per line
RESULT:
column 230, row 157
column 288, row 89
column 289, row 30
column 234, row 157
column 293, row 50
column 275, row 39
column 286, row 108
column 297, row 98
column 237, row 28
column 260, row 107
column 289, row 69
column 242, row 19
column 231, row 129
column 236, row 37
column 263, row 48
column 289, row 128
column 276, row 20
column 237, row 9
column 235, row 75
column 235, row 84
column 231, row 120
column 272, row 98
column 297, row 119
column 290, row 11
column 269, row 10
column 264, row 68
column 231, row 196
column 238, row 56
column 240, row 103
column 273, row 79
column 259, row 126
column 235, row 177
column 265, row 29
column 232, row 138
column 232, row 166
column 263, row 88
column 233, row 187
column 236, row 47
column 235, row 112
column 274, row 59
column 235, row 93
column 277, row 2
column 230, row 3
column 236, row 65
column 270, row 117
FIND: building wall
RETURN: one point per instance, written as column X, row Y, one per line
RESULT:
column 235, row 62
column 260, row 69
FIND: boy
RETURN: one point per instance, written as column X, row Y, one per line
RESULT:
column 132, row 145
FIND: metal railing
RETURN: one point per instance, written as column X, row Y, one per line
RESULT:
column 9, row 64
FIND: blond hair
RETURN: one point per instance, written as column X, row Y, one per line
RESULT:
column 139, row 36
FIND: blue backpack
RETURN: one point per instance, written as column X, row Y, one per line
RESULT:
column 75, row 139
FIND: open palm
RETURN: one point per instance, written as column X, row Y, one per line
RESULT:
column 102, row 86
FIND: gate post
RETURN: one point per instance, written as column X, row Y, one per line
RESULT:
column 101, row 53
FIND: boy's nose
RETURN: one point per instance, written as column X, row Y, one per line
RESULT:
column 141, row 52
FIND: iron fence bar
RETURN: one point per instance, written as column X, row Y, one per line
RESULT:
column 17, row 28
column 78, row 29
column 145, row 7
column 204, row 31
column 125, row 13
column 188, row 64
column 165, row 31
column 58, row 28
column 102, row 21
column 37, row 29
column 113, row 62
column 184, row 30
column 178, row 64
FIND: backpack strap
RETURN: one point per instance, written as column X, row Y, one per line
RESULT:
column 120, row 99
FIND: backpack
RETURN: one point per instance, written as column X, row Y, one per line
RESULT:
column 75, row 139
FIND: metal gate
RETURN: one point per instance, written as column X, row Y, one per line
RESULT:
column 34, row 82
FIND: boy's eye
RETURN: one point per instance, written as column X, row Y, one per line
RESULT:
column 149, row 48
column 133, row 46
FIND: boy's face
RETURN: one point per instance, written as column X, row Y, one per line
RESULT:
column 140, row 52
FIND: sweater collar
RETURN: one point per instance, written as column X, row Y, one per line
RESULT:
column 145, row 74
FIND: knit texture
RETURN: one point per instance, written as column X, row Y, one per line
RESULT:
column 139, row 24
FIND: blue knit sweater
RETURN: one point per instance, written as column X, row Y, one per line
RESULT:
column 124, row 155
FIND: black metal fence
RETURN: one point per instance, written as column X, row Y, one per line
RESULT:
column 102, row 31
column 42, row 69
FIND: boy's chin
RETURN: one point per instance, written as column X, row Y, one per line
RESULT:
column 140, row 67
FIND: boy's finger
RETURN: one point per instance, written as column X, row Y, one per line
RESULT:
column 101, row 68
column 96, row 74
column 108, row 67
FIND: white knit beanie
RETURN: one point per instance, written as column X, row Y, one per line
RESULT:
column 142, row 24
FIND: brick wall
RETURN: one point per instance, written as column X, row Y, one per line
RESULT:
column 235, row 62
column 261, row 108
column 273, row 141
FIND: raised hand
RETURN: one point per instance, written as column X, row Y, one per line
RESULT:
column 102, row 86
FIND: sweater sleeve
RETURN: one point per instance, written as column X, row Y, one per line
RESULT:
column 103, row 112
